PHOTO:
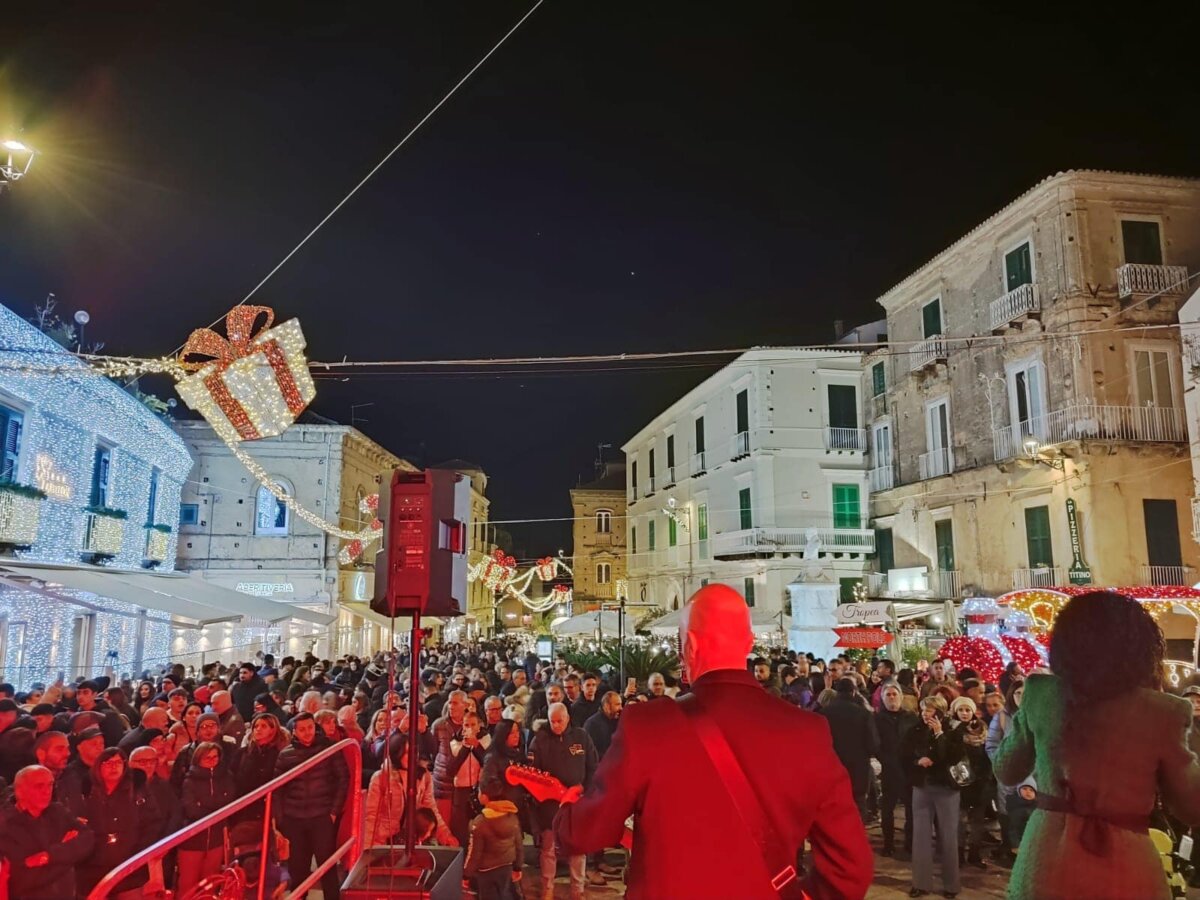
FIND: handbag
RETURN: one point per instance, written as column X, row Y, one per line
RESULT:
column 778, row 863
column 962, row 774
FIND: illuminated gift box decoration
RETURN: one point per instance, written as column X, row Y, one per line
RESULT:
column 249, row 385
column 105, row 532
column 20, row 513
column 158, row 541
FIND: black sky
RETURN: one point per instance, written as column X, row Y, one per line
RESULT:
column 620, row 177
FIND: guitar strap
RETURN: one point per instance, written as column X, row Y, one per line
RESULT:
column 778, row 864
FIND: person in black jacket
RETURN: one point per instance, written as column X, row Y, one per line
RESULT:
column 248, row 686
column 854, row 737
column 892, row 724
column 308, row 805
column 929, row 750
column 255, row 765
column 42, row 842
column 112, row 725
column 602, row 725
column 206, row 788
column 117, row 816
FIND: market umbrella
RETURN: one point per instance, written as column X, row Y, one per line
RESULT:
column 588, row 624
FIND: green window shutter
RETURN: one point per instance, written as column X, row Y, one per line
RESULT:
column 10, row 434
column 931, row 318
column 885, row 551
column 747, row 515
column 1018, row 268
column 699, row 434
column 845, row 506
column 743, row 411
column 748, row 590
column 670, row 451
column 1142, row 243
column 1037, row 536
column 702, row 521
column 650, row 535
column 671, row 533
column 633, row 539
column 878, row 380
column 846, row 589
column 843, row 406
column 944, row 535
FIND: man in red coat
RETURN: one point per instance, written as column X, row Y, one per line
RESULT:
column 688, row 836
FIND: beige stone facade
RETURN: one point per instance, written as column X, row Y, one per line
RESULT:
column 1030, row 366
column 598, row 535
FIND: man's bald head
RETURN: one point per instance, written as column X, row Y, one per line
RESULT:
column 155, row 717
column 715, row 632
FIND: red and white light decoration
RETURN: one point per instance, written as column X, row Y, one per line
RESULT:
column 987, row 648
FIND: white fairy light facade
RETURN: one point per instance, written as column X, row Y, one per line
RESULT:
column 74, row 442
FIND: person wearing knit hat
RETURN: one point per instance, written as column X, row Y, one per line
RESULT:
column 208, row 729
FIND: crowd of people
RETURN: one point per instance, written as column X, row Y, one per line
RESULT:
column 95, row 771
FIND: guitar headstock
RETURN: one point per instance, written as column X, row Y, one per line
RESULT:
column 542, row 785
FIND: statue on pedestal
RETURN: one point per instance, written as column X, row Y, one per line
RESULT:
column 813, row 569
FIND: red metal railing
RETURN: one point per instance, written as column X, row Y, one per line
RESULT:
column 351, row 750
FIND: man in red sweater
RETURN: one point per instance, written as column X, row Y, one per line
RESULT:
column 688, row 836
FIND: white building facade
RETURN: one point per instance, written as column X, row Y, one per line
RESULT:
column 734, row 480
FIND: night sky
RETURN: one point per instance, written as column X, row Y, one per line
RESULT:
column 619, row 177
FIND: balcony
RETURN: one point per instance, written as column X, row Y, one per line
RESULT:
column 650, row 487
column 1038, row 577
column 104, row 532
column 1019, row 303
column 878, row 406
column 915, row 583
column 699, row 466
column 845, row 438
column 881, row 478
column 767, row 541
column 945, row 584
column 669, row 478
column 1138, row 280
column 1168, row 575
column 158, row 542
column 740, row 445
column 20, row 514
column 1196, row 519
column 929, row 352
column 1090, row 421
column 935, row 464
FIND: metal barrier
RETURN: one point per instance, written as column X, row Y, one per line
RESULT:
column 348, row 748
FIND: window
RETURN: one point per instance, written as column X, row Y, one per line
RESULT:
column 845, row 506
column 937, row 434
column 672, row 533
column 1027, row 398
column 633, row 477
column 878, row 380
column 102, row 476
column 746, row 514
column 1162, row 533
column 152, row 505
column 748, row 590
column 189, row 513
column 652, row 469
column 1018, row 267
column 943, row 532
column 603, row 573
column 633, row 539
column 702, row 529
column 11, row 422
column 931, row 318
column 603, row 521
column 650, row 535
column 699, row 434
column 743, row 411
column 846, row 588
column 1152, row 378
column 881, row 444
column 1037, row 536
column 670, row 451
column 885, row 550
column 271, row 515
column 843, row 406
column 1142, row 242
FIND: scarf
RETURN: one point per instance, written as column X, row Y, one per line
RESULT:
column 495, row 809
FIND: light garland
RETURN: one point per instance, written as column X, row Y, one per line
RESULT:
column 1044, row 604
column 19, row 518
column 498, row 572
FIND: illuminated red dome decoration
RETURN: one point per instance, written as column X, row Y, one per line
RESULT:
column 985, row 649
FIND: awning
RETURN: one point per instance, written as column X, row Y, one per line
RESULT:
column 403, row 623
column 762, row 621
column 606, row 623
column 178, row 595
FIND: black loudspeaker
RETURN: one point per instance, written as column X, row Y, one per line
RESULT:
column 379, row 875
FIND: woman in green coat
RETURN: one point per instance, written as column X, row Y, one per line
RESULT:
column 1102, row 740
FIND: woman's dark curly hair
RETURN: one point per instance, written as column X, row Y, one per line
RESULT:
column 1092, row 630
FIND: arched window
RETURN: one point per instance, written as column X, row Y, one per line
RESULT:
column 603, row 573
column 270, row 515
column 603, row 521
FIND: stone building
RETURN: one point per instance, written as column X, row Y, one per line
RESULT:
column 598, row 538
column 1027, row 423
column 235, row 534
column 737, row 478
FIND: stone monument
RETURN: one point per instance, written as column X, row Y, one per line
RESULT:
column 814, row 596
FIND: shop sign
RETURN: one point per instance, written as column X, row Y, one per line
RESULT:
column 47, row 477
column 872, row 612
column 266, row 589
column 863, row 638
column 1080, row 572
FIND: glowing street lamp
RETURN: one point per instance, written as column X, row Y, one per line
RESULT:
column 15, row 160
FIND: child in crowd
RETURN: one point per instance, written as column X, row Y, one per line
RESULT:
column 494, row 849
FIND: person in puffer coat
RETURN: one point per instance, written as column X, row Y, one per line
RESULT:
column 307, row 807
column 206, row 788
column 494, row 849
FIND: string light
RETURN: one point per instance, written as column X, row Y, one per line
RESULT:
column 20, row 513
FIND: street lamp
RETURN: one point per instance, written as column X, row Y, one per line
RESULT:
column 1033, row 449
column 15, row 160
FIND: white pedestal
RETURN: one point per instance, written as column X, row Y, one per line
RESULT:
column 813, row 619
